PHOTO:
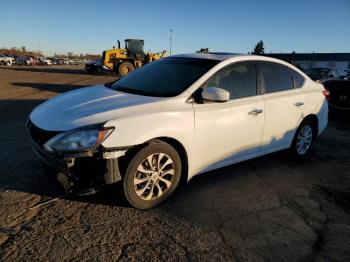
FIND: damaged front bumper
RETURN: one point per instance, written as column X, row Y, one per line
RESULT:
column 84, row 172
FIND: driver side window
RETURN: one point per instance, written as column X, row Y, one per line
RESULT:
column 238, row 79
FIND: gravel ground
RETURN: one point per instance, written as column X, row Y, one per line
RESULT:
column 268, row 209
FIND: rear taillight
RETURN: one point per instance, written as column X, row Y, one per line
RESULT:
column 326, row 94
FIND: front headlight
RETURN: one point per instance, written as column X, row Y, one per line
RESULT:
column 77, row 140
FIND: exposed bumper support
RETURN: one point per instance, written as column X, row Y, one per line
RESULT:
column 84, row 172
column 113, row 173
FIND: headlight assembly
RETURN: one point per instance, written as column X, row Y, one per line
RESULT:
column 77, row 140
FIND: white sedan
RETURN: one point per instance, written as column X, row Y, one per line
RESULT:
column 175, row 118
column 6, row 60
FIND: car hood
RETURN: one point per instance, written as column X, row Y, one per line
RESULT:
column 90, row 105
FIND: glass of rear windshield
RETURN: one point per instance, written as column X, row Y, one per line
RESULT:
column 164, row 78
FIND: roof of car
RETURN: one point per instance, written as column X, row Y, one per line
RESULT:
column 212, row 56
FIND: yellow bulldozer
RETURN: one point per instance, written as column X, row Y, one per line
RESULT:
column 124, row 60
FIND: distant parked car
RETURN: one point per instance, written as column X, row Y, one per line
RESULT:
column 93, row 67
column 318, row 73
column 12, row 57
column 56, row 61
column 6, row 60
column 25, row 60
column 44, row 61
column 338, row 93
column 47, row 62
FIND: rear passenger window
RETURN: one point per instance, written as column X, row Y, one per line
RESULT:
column 297, row 79
column 277, row 77
column 238, row 79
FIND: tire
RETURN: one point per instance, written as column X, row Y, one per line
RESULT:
column 125, row 68
column 303, row 139
column 143, row 189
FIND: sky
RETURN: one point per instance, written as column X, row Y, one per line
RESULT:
column 228, row 26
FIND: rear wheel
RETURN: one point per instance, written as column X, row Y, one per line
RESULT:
column 152, row 175
column 303, row 139
column 125, row 68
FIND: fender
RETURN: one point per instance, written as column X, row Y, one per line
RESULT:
column 136, row 130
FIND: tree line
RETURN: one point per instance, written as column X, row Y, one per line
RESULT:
column 22, row 51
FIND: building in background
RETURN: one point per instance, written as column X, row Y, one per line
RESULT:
column 337, row 61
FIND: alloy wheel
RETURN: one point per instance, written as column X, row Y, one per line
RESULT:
column 154, row 176
column 304, row 140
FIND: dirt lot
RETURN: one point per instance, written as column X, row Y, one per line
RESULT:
column 271, row 208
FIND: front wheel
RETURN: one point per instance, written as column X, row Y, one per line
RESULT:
column 152, row 175
column 125, row 68
column 303, row 139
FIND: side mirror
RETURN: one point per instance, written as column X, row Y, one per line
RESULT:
column 215, row 94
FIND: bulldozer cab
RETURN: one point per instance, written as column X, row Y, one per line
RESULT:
column 135, row 47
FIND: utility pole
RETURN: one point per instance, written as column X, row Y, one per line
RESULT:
column 171, row 39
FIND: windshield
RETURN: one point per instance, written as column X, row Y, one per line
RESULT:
column 164, row 78
column 135, row 46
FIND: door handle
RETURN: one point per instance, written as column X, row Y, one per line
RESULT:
column 299, row 104
column 255, row 112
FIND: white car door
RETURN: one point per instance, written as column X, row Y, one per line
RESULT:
column 231, row 131
column 284, row 106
